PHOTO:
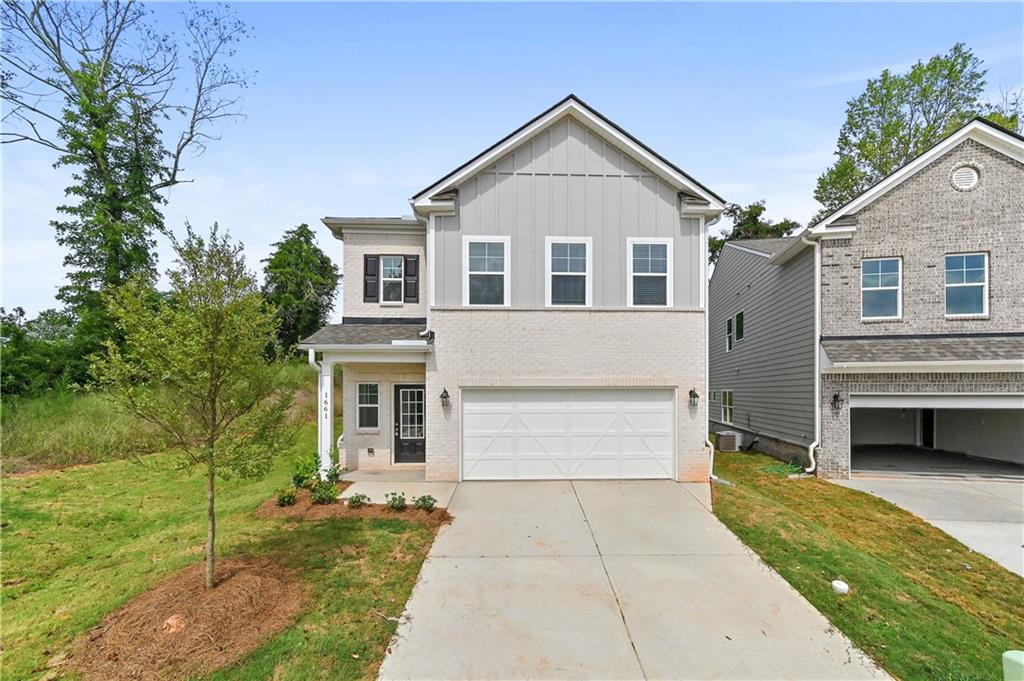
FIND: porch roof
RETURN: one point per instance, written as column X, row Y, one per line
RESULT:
column 340, row 335
column 918, row 349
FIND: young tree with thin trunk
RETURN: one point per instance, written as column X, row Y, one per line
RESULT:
column 193, row 363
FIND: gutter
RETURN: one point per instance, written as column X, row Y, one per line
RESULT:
column 817, row 352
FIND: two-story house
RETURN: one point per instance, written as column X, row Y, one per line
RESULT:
column 893, row 328
column 541, row 315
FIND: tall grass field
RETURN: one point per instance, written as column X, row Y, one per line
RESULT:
column 68, row 428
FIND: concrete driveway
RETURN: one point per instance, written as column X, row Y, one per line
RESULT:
column 605, row 580
column 985, row 515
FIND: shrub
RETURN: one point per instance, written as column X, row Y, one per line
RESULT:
column 287, row 496
column 323, row 492
column 395, row 501
column 425, row 503
column 358, row 500
column 307, row 471
column 333, row 475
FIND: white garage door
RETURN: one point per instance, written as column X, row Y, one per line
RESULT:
column 541, row 433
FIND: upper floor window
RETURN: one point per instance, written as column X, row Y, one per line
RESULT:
column 392, row 277
column 881, row 281
column 738, row 326
column 486, row 271
column 649, row 278
column 730, row 337
column 967, row 285
column 568, row 280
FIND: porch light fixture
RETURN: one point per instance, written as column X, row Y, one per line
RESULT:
column 837, row 401
column 693, row 397
column 444, row 397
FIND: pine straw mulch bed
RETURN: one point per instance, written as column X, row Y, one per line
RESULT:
column 305, row 509
column 179, row 628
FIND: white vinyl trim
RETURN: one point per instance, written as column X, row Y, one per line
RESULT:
column 360, row 406
column 728, row 404
column 588, row 275
column 983, row 284
column 668, row 275
column 507, row 274
column 400, row 279
column 937, row 400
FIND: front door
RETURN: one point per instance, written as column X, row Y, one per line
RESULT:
column 410, row 424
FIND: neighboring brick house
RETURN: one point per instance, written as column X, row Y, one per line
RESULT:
column 541, row 315
column 917, row 301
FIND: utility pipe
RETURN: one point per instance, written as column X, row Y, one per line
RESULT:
column 817, row 352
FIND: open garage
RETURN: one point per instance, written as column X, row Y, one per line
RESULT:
column 938, row 434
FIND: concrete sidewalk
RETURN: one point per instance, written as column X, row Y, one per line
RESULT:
column 605, row 580
column 985, row 515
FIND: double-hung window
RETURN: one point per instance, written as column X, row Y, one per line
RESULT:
column 649, row 272
column 730, row 336
column 881, row 283
column 568, row 264
column 368, row 405
column 485, row 264
column 967, row 285
column 738, row 326
column 392, row 279
column 726, row 406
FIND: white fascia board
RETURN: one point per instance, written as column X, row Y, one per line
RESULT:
column 745, row 249
column 393, row 346
column 978, row 131
column 937, row 400
column 570, row 107
column 954, row 366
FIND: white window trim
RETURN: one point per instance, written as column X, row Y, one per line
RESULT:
column 730, row 406
column 984, row 289
column 359, row 427
column 899, row 289
column 507, row 273
column 401, row 280
column 589, row 274
column 669, row 281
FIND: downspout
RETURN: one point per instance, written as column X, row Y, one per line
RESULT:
column 707, row 348
column 430, row 273
column 817, row 353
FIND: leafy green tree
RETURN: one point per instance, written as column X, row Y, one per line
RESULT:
column 300, row 281
column 899, row 116
column 98, row 84
column 193, row 365
column 748, row 222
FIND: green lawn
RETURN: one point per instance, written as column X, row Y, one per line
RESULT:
column 921, row 604
column 81, row 542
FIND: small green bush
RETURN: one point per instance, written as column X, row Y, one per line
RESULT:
column 395, row 501
column 358, row 500
column 307, row 471
column 425, row 503
column 287, row 496
column 333, row 475
column 324, row 492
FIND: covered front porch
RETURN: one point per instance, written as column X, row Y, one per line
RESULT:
column 383, row 396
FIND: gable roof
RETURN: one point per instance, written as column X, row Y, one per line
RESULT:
column 763, row 246
column 978, row 129
column 612, row 132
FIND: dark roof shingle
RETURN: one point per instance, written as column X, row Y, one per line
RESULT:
column 364, row 334
column 924, row 349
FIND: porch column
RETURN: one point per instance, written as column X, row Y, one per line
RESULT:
column 325, row 419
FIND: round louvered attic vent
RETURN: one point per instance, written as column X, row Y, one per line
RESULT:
column 965, row 178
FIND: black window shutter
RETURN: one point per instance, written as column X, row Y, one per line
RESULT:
column 412, row 278
column 371, row 278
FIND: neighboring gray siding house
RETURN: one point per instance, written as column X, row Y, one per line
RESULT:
column 920, row 324
column 541, row 315
column 761, row 349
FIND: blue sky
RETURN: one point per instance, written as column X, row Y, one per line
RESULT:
column 355, row 107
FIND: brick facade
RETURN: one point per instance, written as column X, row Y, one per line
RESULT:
column 354, row 452
column 358, row 245
column 834, row 452
column 565, row 348
column 922, row 220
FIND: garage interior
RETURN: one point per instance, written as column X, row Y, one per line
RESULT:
column 937, row 440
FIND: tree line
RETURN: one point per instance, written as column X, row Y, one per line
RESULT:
column 125, row 104
column 895, row 119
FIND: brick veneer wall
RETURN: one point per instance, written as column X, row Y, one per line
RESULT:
column 358, row 245
column 354, row 452
column 834, row 453
column 922, row 220
column 570, row 348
